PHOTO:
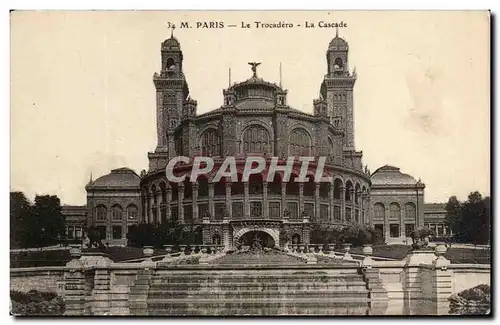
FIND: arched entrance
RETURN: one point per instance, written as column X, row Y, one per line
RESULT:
column 266, row 240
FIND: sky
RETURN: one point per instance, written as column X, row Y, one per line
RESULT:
column 83, row 99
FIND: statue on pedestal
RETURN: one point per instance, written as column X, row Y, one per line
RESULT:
column 257, row 244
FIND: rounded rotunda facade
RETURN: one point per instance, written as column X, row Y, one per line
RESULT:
column 256, row 120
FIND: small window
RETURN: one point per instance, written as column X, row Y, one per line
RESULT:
column 102, row 232
column 440, row 230
column 237, row 210
column 255, row 210
column 117, row 213
column 379, row 228
column 117, row 232
column 348, row 216
column 409, row 227
column 394, row 230
column 78, row 232
column 274, row 210
column 293, row 208
column 336, row 213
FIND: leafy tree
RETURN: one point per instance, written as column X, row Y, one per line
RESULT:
column 20, row 209
column 167, row 233
column 95, row 238
column 453, row 214
column 358, row 235
column 47, row 224
column 470, row 220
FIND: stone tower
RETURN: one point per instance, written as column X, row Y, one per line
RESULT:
column 337, row 89
column 172, row 93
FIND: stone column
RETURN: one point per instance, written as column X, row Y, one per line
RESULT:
column 158, row 206
column 168, row 212
column 226, row 236
column 386, row 224
column 332, row 205
column 211, row 206
column 102, row 291
column 283, row 198
column 74, row 292
column 146, row 211
column 353, row 204
column 228, row 197
column 180, row 206
column 265, row 208
column 151, row 206
column 195, row 201
column 301, row 197
column 401, row 224
column 246, row 201
column 342, row 204
column 316, row 202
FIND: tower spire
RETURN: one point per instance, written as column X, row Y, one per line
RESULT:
column 337, row 31
column 172, row 31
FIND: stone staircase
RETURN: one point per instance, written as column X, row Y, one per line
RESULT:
column 250, row 284
column 265, row 292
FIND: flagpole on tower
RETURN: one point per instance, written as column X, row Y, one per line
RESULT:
column 229, row 76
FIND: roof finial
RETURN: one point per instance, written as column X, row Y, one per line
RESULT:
column 254, row 68
column 90, row 181
column 172, row 31
column 281, row 76
column 229, row 76
column 337, row 31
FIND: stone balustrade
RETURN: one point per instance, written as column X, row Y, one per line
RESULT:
column 92, row 284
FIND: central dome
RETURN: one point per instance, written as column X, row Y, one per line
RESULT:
column 255, row 92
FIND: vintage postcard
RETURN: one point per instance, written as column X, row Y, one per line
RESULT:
column 250, row 163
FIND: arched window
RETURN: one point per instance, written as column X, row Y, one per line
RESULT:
column 117, row 213
column 216, row 240
column 330, row 147
column 210, row 143
column 410, row 210
column 339, row 63
column 163, row 190
column 170, row 63
column 256, row 139
column 394, row 211
column 337, row 189
column 132, row 212
column 378, row 212
column 300, row 143
column 100, row 212
column 349, row 191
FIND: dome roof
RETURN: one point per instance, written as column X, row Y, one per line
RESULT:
column 255, row 81
column 171, row 44
column 255, row 93
column 338, row 44
column 390, row 175
column 118, row 178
